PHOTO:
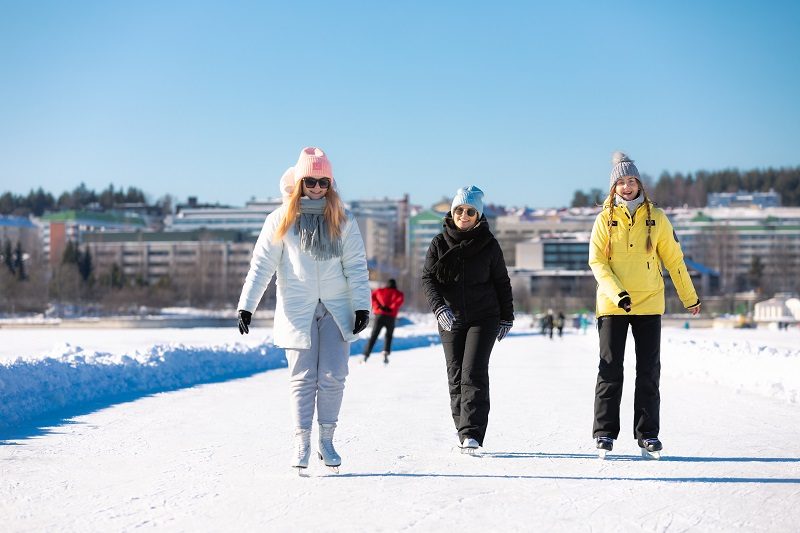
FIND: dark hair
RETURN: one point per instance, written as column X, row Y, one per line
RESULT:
column 392, row 284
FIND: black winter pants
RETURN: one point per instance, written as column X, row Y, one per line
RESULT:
column 381, row 321
column 613, row 332
column 466, row 350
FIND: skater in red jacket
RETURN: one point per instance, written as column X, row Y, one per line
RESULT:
column 386, row 302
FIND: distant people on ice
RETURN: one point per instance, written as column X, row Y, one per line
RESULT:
column 559, row 324
column 548, row 323
column 468, row 289
column 630, row 239
column 584, row 323
column 323, row 296
column 386, row 302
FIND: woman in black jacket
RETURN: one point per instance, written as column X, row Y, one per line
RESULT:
column 468, row 289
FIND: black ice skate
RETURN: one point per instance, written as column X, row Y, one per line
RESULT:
column 604, row 445
column 651, row 448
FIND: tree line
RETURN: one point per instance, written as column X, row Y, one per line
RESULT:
column 691, row 190
column 37, row 202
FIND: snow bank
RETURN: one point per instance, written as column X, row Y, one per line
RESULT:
column 756, row 365
column 71, row 376
column 43, row 382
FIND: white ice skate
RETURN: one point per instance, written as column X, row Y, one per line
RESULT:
column 302, row 451
column 469, row 446
column 327, row 453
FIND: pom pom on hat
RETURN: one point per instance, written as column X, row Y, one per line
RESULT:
column 287, row 183
column 471, row 196
column 312, row 163
column 622, row 166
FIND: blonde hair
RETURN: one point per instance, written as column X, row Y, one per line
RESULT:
column 334, row 212
column 610, row 202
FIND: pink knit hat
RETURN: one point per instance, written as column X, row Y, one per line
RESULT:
column 312, row 163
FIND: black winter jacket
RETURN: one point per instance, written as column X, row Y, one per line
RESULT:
column 465, row 270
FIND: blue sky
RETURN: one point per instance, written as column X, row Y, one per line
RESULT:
column 525, row 100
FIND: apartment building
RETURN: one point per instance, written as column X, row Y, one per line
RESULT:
column 248, row 219
column 58, row 228
column 745, row 245
column 527, row 224
column 382, row 223
column 22, row 230
column 213, row 263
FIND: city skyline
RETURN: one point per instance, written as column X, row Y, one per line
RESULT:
column 525, row 100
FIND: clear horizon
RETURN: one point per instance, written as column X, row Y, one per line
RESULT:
column 195, row 99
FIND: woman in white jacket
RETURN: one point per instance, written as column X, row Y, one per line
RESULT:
column 323, row 296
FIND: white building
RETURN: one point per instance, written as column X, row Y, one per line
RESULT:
column 248, row 219
column 783, row 308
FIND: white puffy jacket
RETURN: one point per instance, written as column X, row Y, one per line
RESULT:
column 342, row 283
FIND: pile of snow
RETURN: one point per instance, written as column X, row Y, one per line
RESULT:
column 757, row 364
column 70, row 376
column 33, row 385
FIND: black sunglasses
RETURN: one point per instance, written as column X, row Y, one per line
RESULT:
column 470, row 211
column 324, row 183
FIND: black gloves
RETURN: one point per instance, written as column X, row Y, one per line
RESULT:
column 445, row 317
column 244, row 321
column 503, row 329
column 625, row 302
column 362, row 319
column 384, row 309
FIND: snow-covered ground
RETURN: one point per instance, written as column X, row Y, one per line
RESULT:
column 118, row 429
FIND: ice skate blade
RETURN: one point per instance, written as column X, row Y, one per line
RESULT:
column 301, row 471
column 469, row 451
column 651, row 455
column 601, row 454
column 334, row 468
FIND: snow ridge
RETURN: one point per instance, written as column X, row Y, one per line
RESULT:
column 30, row 389
column 744, row 365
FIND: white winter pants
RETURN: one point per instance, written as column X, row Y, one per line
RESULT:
column 318, row 373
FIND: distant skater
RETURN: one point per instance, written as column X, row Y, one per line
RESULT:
column 559, row 324
column 549, row 323
column 314, row 247
column 631, row 238
column 468, row 289
column 386, row 302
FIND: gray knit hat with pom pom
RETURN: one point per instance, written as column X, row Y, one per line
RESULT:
column 622, row 166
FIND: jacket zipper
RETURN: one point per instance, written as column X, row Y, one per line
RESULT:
column 463, row 291
column 319, row 286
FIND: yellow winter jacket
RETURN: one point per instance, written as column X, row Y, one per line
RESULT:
column 634, row 270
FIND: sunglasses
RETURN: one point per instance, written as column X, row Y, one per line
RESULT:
column 324, row 183
column 470, row 211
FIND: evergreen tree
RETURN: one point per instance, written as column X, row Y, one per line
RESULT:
column 85, row 264
column 8, row 256
column 117, row 277
column 70, row 255
column 580, row 199
column 19, row 264
column 755, row 273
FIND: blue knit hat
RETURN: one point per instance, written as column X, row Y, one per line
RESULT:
column 623, row 166
column 471, row 196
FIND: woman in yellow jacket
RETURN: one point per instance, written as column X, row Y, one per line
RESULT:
column 631, row 238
